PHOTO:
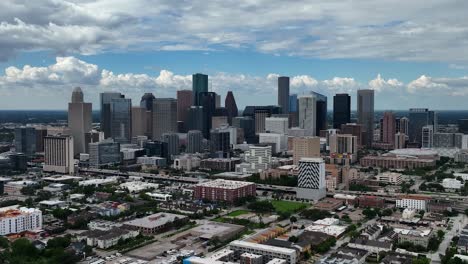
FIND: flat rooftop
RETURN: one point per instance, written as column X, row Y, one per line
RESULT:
column 225, row 184
column 155, row 220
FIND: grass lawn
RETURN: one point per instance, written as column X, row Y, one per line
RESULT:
column 237, row 213
column 288, row 206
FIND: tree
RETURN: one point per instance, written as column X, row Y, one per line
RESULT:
column 315, row 214
column 261, row 206
column 370, row 213
column 28, row 190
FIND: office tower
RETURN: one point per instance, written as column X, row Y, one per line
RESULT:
column 220, row 141
column 25, row 140
column 41, row 133
column 58, row 154
column 427, row 136
column 156, row 148
column 305, row 147
column 233, row 133
column 259, row 113
column 231, row 106
column 277, row 125
column 283, row 94
column 463, row 126
column 208, row 101
column 307, row 113
column 258, row 159
column 320, row 112
column 343, row 143
column 355, row 130
column 218, row 101
column 196, row 120
column 311, row 179
column 199, row 85
column 164, row 117
column 139, row 121
column 448, row 140
column 341, row 110
column 106, row 99
column 365, row 112
column 79, row 120
column 184, row 101
column 400, row 140
column 147, row 103
column 92, row 136
column 60, row 130
column 387, row 128
column 278, row 141
column 293, row 111
column 194, row 141
column 121, row 119
column 172, row 140
column 247, row 124
column 104, row 153
column 220, row 117
column 418, row 118
column 260, row 117
column 402, row 125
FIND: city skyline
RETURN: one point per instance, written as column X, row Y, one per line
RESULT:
column 139, row 47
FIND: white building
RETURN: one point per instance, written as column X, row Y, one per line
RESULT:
column 268, row 252
column 257, row 159
column 427, row 136
column 311, row 183
column 58, row 154
column 278, row 125
column 186, row 162
column 14, row 220
column 342, row 143
column 452, row 184
column 280, row 140
column 412, row 202
column 390, row 178
column 162, row 197
column 138, row 186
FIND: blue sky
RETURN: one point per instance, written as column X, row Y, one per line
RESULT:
column 413, row 54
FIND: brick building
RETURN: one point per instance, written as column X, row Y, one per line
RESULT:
column 224, row 190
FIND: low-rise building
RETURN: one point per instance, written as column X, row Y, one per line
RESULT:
column 389, row 178
column 372, row 246
column 106, row 238
column 155, row 223
column 268, row 252
column 219, row 164
column 14, row 187
column 14, row 220
column 412, row 202
column 415, row 236
column 450, row 184
column 224, row 190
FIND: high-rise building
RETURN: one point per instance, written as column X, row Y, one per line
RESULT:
column 355, row 130
column 463, row 126
column 365, row 111
column 196, row 120
column 220, row 141
column 277, row 125
column 293, row 111
column 164, row 116
column 121, row 119
column 92, row 136
column 184, row 101
column 283, row 94
column 320, row 112
column 79, row 120
column 220, row 117
column 106, row 99
column 387, row 128
column 279, row 141
column 341, row 110
column 199, row 85
column 258, row 158
column 400, row 140
column 104, row 153
column 231, row 106
column 139, row 121
column 311, row 183
column 427, row 136
column 420, row 117
column 308, row 113
column 156, row 148
column 58, row 154
column 343, row 143
column 147, row 103
column 194, row 141
column 305, row 147
column 25, row 140
column 41, row 133
column 247, row 124
column 402, row 125
column 208, row 101
column 172, row 140
column 19, row 220
column 218, row 101
column 259, row 114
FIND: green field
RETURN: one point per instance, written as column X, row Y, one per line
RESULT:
column 288, row 206
column 237, row 213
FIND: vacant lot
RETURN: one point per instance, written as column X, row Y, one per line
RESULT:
column 288, row 206
column 237, row 213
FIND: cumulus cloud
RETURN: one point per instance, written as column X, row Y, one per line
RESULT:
column 330, row 29
column 379, row 84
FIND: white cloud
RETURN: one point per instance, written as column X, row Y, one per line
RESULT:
column 379, row 84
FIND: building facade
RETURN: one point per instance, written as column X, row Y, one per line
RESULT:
column 58, row 154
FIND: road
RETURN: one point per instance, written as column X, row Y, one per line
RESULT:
column 458, row 223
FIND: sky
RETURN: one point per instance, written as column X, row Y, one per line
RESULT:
column 412, row 53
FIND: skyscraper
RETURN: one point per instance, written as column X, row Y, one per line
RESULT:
column 388, row 128
column 139, row 121
column 418, row 118
column 147, row 103
column 194, row 141
column 307, row 113
column 305, row 147
column 106, row 99
column 365, row 111
column 247, row 124
column 58, row 154
column 427, row 136
column 121, row 119
column 283, row 94
column 293, row 111
column 341, row 110
column 231, row 106
column 25, row 140
column 199, row 85
column 208, row 101
column 402, row 125
column 79, row 120
column 184, row 101
column 220, row 141
column 164, row 117
column 196, row 120
column 172, row 140
column 321, row 112
column 311, row 183
column 106, row 152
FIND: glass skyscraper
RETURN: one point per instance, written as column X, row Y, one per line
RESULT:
column 25, row 140
column 106, row 99
column 341, row 110
column 418, row 118
column 121, row 122
column 199, row 85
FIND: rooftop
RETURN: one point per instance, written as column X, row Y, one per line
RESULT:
column 155, row 220
column 286, row 251
column 226, row 184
